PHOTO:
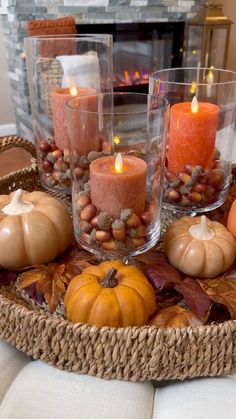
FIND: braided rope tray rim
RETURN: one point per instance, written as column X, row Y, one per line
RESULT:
column 132, row 353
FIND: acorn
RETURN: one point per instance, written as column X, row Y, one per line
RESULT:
column 87, row 186
column 66, row 155
column 174, row 196
column 78, row 172
column 61, row 165
column 88, row 212
column 47, row 166
column 49, row 181
column 94, row 222
column 145, row 218
column 43, row 146
column 102, row 236
column 84, row 162
column 133, row 220
column 93, row 155
column 118, row 230
column 53, row 147
column 104, row 221
column 50, row 157
column 197, row 172
column 184, row 177
column 125, row 214
column 83, row 199
column 195, row 197
column 170, row 176
column 129, row 244
column 86, row 227
column 57, row 154
column 141, row 231
column 138, row 242
column 109, row 245
column 58, row 176
column 132, row 232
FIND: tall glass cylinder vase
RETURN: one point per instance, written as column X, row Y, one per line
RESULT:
column 202, row 130
column 59, row 68
column 117, row 191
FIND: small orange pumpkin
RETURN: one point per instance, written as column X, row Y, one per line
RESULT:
column 110, row 294
column 231, row 221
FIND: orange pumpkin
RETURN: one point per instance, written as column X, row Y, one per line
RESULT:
column 34, row 228
column 231, row 221
column 110, row 294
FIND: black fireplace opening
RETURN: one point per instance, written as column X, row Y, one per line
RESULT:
column 139, row 49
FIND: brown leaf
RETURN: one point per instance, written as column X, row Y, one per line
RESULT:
column 28, row 278
column 175, row 316
column 194, row 297
column 150, row 257
column 49, row 281
column 75, row 262
column 222, row 290
column 161, row 274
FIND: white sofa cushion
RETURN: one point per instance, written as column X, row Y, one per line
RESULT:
column 11, row 363
column 44, row 392
column 204, row 398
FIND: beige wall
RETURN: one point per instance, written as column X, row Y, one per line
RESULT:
column 229, row 8
column 6, row 108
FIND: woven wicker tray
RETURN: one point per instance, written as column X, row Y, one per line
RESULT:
column 132, row 353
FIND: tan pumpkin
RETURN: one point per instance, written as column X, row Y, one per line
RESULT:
column 34, row 228
column 199, row 247
column 110, row 294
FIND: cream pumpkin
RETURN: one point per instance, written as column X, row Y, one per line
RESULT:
column 199, row 247
column 34, row 228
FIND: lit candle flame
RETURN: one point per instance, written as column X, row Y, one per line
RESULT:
column 194, row 105
column 72, row 88
column 118, row 163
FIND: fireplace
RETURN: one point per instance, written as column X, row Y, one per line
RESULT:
column 139, row 49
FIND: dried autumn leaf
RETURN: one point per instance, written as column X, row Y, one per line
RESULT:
column 194, row 296
column 175, row 316
column 222, row 290
column 161, row 274
column 50, row 282
column 75, row 262
column 150, row 257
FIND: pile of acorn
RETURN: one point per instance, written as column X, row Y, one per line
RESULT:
column 54, row 164
column 193, row 186
column 99, row 228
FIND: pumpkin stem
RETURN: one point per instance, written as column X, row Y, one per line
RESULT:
column 201, row 231
column 17, row 206
column 110, row 280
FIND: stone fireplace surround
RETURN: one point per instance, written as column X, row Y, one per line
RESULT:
column 16, row 13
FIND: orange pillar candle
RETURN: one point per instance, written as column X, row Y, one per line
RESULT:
column 192, row 136
column 118, row 183
column 59, row 97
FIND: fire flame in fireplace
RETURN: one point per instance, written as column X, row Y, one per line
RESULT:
column 128, row 78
